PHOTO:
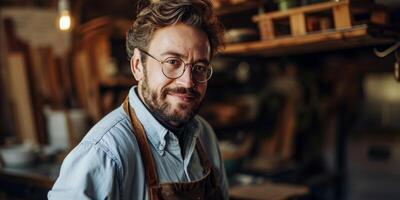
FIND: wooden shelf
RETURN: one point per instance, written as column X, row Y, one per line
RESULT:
column 357, row 36
column 301, row 9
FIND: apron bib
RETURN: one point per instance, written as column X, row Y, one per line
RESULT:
column 205, row 188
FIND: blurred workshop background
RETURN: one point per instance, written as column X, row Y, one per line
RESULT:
column 305, row 97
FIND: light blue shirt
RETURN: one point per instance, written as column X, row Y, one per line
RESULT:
column 107, row 163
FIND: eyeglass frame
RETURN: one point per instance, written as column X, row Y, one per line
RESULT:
column 184, row 66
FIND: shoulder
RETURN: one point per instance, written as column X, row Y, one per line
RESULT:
column 114, row 122
column 107, row 155
column 113, row 139
column 111, row 132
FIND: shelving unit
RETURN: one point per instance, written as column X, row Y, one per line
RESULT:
column 101, row 83
column 343, row 32
column 342, row 29
column 358, row 36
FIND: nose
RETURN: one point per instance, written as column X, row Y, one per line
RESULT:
column 186, row 79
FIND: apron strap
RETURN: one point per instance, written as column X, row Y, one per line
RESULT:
column 203, row 156
column 138, row 131
column 206, row 162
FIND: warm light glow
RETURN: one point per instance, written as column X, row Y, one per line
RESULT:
column 64, row 22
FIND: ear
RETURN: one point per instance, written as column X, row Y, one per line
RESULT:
column 136, row 65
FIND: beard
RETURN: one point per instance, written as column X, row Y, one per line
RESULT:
column 163, row 109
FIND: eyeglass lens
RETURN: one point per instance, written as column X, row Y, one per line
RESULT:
column 175, row 67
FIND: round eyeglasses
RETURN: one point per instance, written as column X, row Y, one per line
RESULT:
column 174, row 67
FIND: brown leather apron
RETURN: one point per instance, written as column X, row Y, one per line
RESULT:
column 204, row 188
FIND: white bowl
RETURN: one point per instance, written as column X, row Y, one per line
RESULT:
column 17, row 156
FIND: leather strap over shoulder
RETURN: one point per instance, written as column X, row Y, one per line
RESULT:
column 138, row 131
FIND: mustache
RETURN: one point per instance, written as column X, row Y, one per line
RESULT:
column 181, row 90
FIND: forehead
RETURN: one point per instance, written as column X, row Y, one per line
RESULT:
column 183, row 39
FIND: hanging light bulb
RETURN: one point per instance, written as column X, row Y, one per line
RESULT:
column 64, row 20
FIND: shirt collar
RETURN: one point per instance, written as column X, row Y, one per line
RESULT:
column 154, row 130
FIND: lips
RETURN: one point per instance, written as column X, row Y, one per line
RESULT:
column 183, row 96
column 183, row 93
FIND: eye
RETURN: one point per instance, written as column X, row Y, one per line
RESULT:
column 175, row 62
column 201, row 68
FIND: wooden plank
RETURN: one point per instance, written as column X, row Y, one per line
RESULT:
column 66, row 80
column 268, row 190
column 23, row 108
column 93, row 79
column 19, row 65
column 79, row 61
column 19, row 46
column 102, row 54
column 303, row 9
column 36, row 96
column 87, row 86
column 298, row 24
column 295, row 41
column 286, row 129
column 81, row 77
column 342, row 17
column 39, row 74
column 56, row 91
column 6, row 116
column 327, row 40
column 267, row 29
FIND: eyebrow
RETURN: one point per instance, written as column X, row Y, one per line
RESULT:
column 176, row 54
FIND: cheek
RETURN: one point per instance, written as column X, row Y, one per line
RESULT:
column 159, row 84
column 155, row 79
column 202, row 89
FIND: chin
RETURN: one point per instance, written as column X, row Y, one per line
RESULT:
column 181, row 112
column 181, row 115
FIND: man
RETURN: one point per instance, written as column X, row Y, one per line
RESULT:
column 155, row 146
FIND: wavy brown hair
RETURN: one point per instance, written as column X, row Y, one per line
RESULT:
column 162, row 13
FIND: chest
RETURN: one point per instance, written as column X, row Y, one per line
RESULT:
column 171, row 166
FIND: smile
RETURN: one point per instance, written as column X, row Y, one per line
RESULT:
column 183, row 97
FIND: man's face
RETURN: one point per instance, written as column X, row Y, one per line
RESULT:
column 175, row 101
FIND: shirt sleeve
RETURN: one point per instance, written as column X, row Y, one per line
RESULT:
column 88, row 172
